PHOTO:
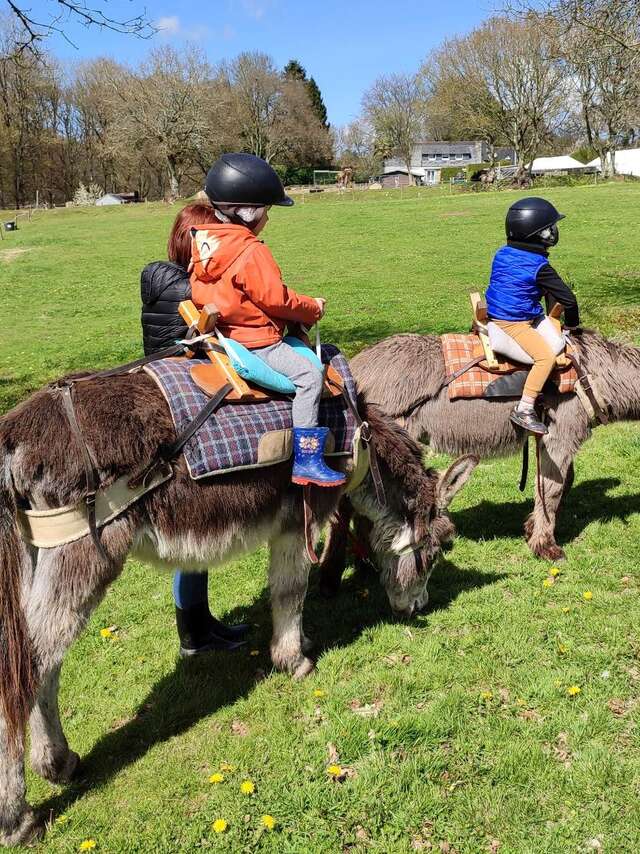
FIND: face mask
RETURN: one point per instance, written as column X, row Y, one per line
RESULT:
column 549, row 236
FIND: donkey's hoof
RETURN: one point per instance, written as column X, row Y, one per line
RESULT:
column 548, row 551
column 29, row 829
column 61, row 771
column 305, row 667
column 306, row 645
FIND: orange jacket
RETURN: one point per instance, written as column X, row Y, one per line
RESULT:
column 233, row 269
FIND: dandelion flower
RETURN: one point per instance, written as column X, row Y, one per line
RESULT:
column 573, row 690
column 334, row 771
column 486, row 695
column 562, row 648
column 554, row 571
column 88, row 844
column 268, row 821
column 247, row 787
column 220, row 825
column 588, row 595
column 216, row 778
column 224, row 766
column 62, row 819
column 319, row 693
column 105, row 633
column 566, row 610
column 548, row 582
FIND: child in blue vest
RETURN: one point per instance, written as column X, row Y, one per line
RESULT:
column 520, row 276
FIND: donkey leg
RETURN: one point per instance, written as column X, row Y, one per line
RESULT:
column 288, row 579
column 334, row 555
column 556, row 475
column 19, row 823
column 50, row 754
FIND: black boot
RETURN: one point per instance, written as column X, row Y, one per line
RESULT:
column 200, row 632
column 528, row 421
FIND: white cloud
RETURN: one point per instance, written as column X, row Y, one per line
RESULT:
column 169, row 25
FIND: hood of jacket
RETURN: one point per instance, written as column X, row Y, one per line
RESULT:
column 217, row 245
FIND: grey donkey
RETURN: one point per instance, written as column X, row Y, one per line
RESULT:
column 404, row 376
column 47, row 595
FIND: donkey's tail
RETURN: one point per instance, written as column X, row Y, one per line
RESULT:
column 17, row 664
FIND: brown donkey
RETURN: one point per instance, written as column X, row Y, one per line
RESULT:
column 47, row 595
column 404, row 376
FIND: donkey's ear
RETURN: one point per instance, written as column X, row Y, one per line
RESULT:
column 454, row 479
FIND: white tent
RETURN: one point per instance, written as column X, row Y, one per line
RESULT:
column 562, row 163
column 626, row 162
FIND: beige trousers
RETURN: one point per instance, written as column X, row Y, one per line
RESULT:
column 534, row 344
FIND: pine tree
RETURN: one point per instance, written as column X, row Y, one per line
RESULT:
column 294, row 70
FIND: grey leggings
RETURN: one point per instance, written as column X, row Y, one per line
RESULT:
column 305, row 376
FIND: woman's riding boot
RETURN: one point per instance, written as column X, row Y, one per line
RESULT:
column 200, row 632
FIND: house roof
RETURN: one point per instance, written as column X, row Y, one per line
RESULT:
column 552, row 164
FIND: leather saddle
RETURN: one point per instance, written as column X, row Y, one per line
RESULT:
column 213, row 376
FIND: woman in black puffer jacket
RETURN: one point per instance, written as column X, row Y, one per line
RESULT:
column 164, row 284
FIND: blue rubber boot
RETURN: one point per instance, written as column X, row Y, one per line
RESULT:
column 308, row 458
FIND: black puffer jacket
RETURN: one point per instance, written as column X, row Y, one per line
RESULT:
column 163, row 286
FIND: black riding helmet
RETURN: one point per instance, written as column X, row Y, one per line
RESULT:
column 533, row 220
column 244, row 179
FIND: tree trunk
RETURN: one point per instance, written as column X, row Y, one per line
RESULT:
column 174, row 181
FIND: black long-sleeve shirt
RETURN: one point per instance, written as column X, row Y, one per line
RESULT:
column 553, row 287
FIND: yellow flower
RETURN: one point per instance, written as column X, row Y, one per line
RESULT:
column 62, row 819
column 268, row 821
column 573, row 690
column 334, row 771
column 224, row 766
column 548, row 582
column 247, row 787
column 554, row 571
column 486, row 695
column 588, row 595
column 566, row 610
column 254, row 652
column 219, row 825
column 88, row 844
column 105, row 633
column 216, row 778
column 562, row 648
column 319, row 693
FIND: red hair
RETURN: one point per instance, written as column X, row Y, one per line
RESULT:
column 179, row 243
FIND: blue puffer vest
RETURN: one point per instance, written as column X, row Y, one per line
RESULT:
column 513, row 293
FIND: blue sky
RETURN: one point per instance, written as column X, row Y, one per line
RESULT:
column 344, row 45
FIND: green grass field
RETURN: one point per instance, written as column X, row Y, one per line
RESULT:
column 458, row 730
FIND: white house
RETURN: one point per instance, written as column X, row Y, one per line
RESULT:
column 118, row 199
column 626, row 162
column 428, row 158
column 559, row 165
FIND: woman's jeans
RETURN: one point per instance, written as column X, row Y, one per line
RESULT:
column 190, row 589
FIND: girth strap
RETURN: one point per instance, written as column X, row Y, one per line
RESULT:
column 308, row 519
column 65, row 391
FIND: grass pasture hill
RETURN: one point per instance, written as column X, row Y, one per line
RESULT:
column 503, row 720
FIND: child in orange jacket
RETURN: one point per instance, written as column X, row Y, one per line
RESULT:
column 234, row 269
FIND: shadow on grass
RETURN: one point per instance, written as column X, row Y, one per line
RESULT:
column 587, row 502
column 199, row 687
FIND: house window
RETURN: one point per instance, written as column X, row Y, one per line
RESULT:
column 445, row 156
column 466, row 156
column 459, row 156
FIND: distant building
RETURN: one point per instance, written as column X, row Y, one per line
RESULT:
column 118, row 199
column 560, row 165
column 626, row 162
column 429, row 158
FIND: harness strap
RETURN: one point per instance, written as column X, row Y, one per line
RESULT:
column 524, row 474
column 367, row 438
column 130, row 367
column 463, row 370
column 65, row 392
column 308, row 519
column 585, row 382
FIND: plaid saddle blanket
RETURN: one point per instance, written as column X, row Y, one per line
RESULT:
column 458, row 350
column 252, row 435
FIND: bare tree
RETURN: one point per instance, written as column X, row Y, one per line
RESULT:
column 355, row 145
column 59, row 14
column 394, row 106
column 505, row 82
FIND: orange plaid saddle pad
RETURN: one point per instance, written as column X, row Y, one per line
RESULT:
column 459, row 350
